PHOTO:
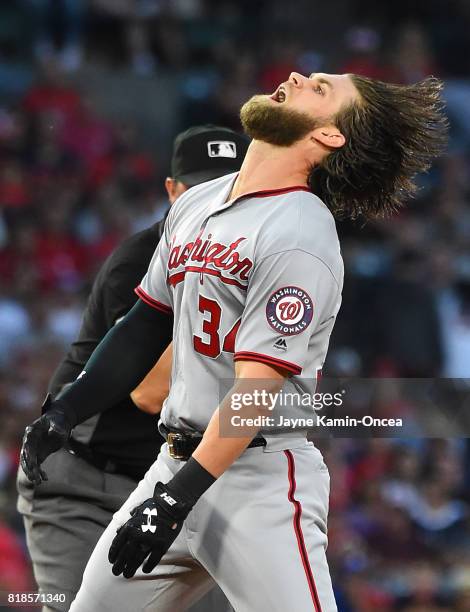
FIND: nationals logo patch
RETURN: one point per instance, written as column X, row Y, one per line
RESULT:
column 289, row 310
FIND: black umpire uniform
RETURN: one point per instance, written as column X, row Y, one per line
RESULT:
column 108, row 454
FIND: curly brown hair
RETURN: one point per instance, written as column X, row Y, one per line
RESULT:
column 392, row 133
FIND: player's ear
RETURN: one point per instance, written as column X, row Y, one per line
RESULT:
column 170, row 186
column 329, row 136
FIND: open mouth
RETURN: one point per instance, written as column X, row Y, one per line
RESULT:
column 279, row 95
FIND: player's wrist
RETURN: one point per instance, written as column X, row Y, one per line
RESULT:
column 171, row 507
column 58, row 411
column 190, row 482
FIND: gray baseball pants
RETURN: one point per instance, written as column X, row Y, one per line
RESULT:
column 259, row 532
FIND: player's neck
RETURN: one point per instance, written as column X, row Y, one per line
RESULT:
column 266, row 167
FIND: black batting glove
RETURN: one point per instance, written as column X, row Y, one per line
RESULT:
column 156, row 523
column 147, row 536
column 45, row 436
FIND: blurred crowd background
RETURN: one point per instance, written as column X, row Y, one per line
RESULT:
column 92, row 94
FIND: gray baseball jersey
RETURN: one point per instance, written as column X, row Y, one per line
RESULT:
column 257, row 277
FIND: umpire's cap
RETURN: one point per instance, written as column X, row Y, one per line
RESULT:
column 206, row 152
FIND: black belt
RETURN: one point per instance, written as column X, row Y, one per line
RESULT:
column 182, row 445
column 104, row 463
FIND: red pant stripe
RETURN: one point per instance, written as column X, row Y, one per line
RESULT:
column 298, row 531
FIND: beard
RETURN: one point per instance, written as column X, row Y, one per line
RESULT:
column 274, row 124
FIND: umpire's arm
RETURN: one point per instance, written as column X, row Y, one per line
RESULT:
column 118, row 364
column 153, row 390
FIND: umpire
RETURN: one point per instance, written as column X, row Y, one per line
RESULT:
column 108, row 454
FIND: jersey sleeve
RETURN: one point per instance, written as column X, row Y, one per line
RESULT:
column 153, row 289
column 291, row 295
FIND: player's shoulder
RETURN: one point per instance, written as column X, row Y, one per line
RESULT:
column 316, row 224
column 303, row 221
column 199, row 195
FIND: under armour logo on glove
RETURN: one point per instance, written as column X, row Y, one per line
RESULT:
column 149, row 533
column 151, row 524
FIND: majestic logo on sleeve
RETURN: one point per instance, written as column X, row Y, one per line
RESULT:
column 209, row 257
column 289, row 310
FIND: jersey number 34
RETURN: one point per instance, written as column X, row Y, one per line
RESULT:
column 210, row 327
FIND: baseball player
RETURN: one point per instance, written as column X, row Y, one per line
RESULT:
column 108, row 454
column 250, row 268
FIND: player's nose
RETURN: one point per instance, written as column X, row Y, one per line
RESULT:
column 296, row 79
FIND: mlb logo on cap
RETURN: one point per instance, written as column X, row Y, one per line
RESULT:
column 222, row 148
column 205, row 152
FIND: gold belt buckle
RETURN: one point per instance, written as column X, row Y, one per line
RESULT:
column 171, row 439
